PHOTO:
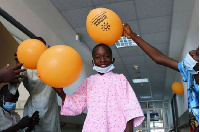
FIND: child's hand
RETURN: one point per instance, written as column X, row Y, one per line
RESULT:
column 60, row 92
column 127, row 32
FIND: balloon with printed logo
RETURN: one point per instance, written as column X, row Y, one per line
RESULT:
column 177, row 88
column 29, row 51
column 59, row 66
column 104, row 26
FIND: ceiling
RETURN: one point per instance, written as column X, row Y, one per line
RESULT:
column 153, row 21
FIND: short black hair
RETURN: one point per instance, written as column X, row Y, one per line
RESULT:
column 4, row 90
column 101, row 45
column 41, row 39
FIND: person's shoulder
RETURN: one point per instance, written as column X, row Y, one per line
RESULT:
column 1, row 110
column 89, row 78
column 92, row 76
column 4, row 112
column 15, row 114
column 119, row 75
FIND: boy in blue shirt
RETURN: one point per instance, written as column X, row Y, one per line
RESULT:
column 189, row 69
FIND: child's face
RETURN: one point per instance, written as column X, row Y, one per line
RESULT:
column 11, row 98
column 102, row 57
column 8, row 97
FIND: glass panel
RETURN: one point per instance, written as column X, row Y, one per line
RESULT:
column 143, row 105
column 156, row 118
column 144, row 123
column 156, row 104
column 166, row 117
column 157, row 130
column 165, row 105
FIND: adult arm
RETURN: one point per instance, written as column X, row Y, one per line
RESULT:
column 151, row 51
column 26, row 121
column 35, row 120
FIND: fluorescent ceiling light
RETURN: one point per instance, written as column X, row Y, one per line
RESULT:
column 145, row 97
column 125, row 42
column 141, row 80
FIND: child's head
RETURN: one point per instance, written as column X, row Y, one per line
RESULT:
column 6, row 96
column 102, row 55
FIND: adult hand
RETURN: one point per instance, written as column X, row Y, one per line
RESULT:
column 11, row 74
column 24, row 122
column 35, row 119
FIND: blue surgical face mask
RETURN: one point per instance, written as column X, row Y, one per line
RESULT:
column 103, row 70
column 189, row 63
column 9, row 106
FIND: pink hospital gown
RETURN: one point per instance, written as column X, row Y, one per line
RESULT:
column 110, row 100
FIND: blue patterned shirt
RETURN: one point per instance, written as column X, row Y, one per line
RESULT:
column 192, row 91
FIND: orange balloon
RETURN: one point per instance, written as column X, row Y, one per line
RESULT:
column 104, row 26
column 59, row 66
column 29, row 51
column 177, row 88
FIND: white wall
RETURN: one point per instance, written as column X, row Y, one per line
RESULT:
column 36, row 16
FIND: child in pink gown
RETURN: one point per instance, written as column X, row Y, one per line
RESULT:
column 111, row 102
